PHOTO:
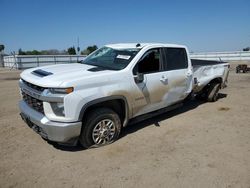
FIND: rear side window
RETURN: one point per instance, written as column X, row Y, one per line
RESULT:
column 176, row 58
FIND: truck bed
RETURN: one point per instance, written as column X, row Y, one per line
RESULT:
column 204, row 71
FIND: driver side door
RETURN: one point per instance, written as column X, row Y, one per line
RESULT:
column 149, row 94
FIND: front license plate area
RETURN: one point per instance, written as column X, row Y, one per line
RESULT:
column 34, row 127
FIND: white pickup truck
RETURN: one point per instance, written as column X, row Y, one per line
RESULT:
column 92, row 100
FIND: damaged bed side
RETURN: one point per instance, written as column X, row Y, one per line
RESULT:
column 209, row 78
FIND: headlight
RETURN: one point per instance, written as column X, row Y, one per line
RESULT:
column 61, row 90
column 58, row 108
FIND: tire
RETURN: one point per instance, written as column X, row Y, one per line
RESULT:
column 102, row 126
column 201, row 97
column 189, row 97
column 213, row 92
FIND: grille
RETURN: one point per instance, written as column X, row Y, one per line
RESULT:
column 34, row 103
column 35, row 87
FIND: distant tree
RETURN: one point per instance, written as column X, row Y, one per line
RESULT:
column 1, row 47
column 64, row 52
column 50, row 52
column 20, row 52
column 72, row 51
column 246, row 49
column 92, row 48
column 28, row 52
column 89, row 50
column 42, row 52
column 33, row 52
column 85, row 52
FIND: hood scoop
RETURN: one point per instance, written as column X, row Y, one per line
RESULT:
column 41, row 73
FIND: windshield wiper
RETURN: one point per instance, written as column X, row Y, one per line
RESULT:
column 103, row 67
column 80, row 61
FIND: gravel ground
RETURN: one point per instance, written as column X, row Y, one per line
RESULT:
column 198, row 145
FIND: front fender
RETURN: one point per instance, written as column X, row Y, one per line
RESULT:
column 104, row 99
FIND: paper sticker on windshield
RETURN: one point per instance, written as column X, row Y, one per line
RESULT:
column 123, row 57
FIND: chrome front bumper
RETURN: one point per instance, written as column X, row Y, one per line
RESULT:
column 61, row 132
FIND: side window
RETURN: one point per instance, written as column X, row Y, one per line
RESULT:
column 149, row 63
column 176, row 58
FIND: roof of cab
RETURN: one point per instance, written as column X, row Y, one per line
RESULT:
column 142, row 45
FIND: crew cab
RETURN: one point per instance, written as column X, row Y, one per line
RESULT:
column 91, row 101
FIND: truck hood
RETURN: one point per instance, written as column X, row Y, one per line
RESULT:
column 56, row 75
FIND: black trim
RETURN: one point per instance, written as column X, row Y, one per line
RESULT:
column 160, row 111
column 97, row 69
column 104, row 99
column 161, row 62
column 33, row 86
column 41, row 73
column 200, row 62
column 166, row 61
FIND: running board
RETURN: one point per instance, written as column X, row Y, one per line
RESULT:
column 154, row 113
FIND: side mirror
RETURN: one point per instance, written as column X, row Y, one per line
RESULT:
column 139, row 77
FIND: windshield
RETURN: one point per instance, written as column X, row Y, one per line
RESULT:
column 109, row 58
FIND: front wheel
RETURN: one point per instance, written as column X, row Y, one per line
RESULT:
column 100, row 127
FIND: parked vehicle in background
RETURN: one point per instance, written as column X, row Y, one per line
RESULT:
column 92, row 100
column 242, row 68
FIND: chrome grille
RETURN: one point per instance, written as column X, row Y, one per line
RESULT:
column 35, row 87
column 34, row 103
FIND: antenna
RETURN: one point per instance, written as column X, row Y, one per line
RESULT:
column 138, row 45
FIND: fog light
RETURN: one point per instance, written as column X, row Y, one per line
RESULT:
column 58, row 108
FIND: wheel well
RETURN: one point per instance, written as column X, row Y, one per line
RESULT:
column 117, row 105
column 206, row 88
column 216, row 80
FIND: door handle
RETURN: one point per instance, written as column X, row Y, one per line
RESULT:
column 164, row 79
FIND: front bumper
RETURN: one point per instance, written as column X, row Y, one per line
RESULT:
column 61, row 132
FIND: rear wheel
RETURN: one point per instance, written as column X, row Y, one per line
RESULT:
column 213, row 92
column 101, row 126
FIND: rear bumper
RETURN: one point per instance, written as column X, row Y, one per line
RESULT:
column 61, row 132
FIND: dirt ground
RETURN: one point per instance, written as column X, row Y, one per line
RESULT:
column 198, row 145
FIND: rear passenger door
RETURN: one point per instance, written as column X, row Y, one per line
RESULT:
column 178, row 74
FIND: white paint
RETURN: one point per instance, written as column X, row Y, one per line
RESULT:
column 126, row 57
column 156, row 91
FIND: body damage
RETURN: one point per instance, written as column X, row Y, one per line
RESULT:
column 205, row 74
column 67, row 92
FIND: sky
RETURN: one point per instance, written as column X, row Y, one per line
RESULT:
column 202, row 25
